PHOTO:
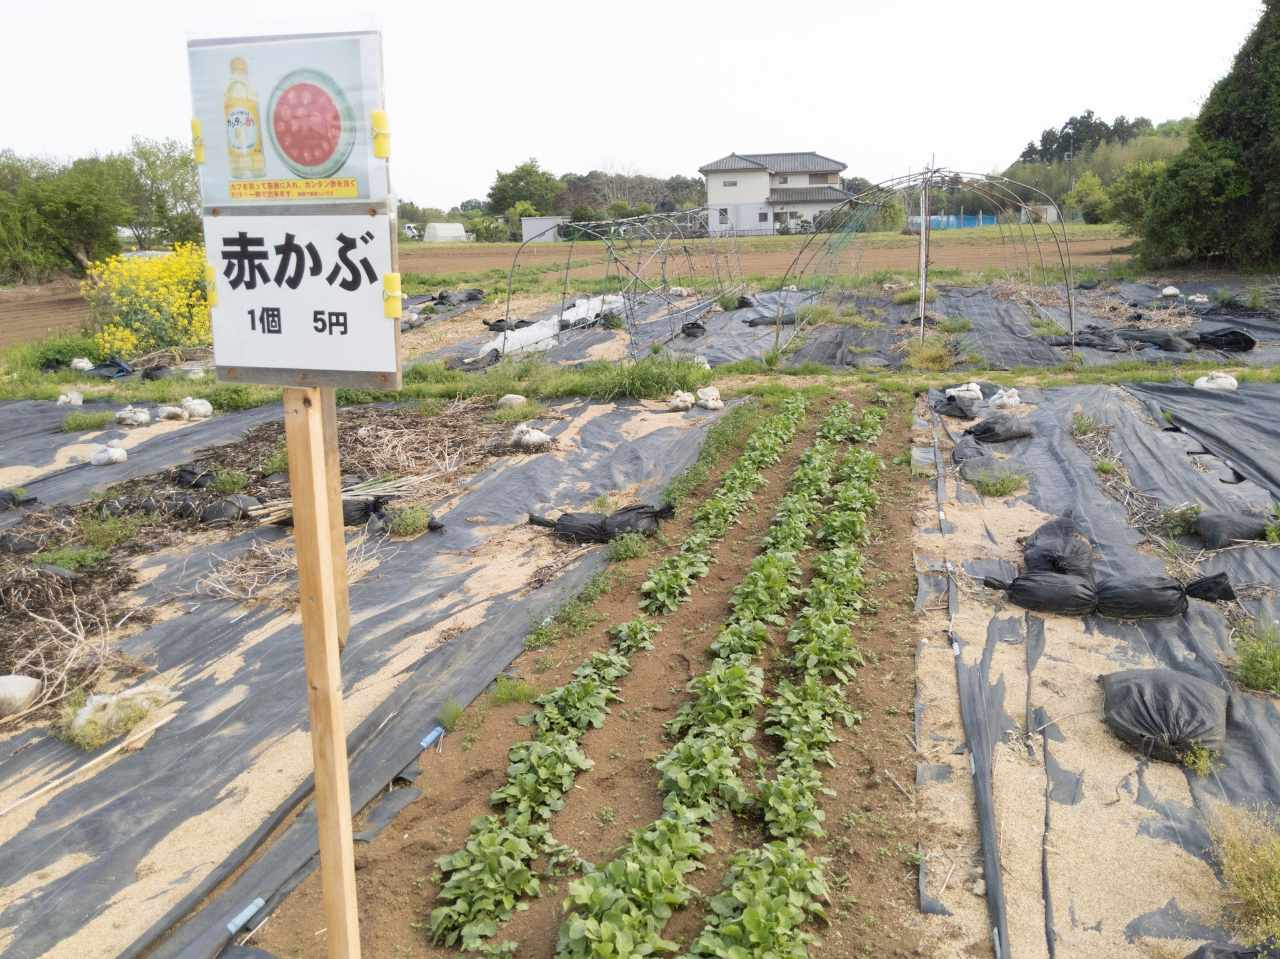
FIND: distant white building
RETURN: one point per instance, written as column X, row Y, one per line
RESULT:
column 444, row 233
column 538, row 229
column 1039, row 213
column 758, row 192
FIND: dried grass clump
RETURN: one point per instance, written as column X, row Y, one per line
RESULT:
column 1246, row 843
column 57, row 630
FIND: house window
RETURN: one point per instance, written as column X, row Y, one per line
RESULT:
column 782, row 179
column 795, row 214
column 728, row 182
column 822, row 178
column 724, row 216
column 764, row 217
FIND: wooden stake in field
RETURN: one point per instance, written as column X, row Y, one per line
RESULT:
column 278, row 318
column 310, row 425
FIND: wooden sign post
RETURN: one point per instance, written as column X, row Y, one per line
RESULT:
column 292, row 144
column 310, row 426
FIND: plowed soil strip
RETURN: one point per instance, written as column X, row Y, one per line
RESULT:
column 396, row 871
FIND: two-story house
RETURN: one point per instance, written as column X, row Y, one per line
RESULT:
column 758, row 192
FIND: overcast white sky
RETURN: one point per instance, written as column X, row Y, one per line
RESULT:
column 658, row 87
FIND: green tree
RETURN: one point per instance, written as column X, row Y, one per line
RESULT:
column 528, row 182
column 78, row 211
column 1130, row 194
column 521, row 208
column 1090, row 197
column 1220, row 199
column 487, row 229
column 158, row 181
column 1200, row 209
column 409, row 212
column 24, row 255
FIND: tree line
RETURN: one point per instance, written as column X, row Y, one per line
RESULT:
column 1201, row 189
column 1100, row 155
column 61, row 216
column 530, row 190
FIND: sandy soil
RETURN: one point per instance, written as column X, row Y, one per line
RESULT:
column 437, row 333
column 1105, row 867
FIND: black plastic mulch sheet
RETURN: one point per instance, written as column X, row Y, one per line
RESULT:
column 136, row 844
column 1000, row 330
column 32, row 427
column 1263, row 324
column 1241, row 427
column 1175, row 467
column 31, row 430
column 1163, row 464
column 730, row 336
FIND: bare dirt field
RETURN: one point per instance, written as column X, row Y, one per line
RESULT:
column 29, row 313
column 762, row 259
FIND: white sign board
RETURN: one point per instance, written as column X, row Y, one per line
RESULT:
column 291, row 144
column 288, row 120
column 301, row 293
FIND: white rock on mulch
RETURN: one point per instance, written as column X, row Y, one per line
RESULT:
column 106, row 455
column 526, row 437
column 709, row 398
column 81, row 365
column 1171, row 291
column 71, row 398
column 512, row 399
column 1005, row 399
column 1217, row 381
column 17, row 693
column 133, row 416
column 197, row 409
column 1199, row 299
column 171, row 413
column 701, row 360
column 969, row 391
column 680, row 401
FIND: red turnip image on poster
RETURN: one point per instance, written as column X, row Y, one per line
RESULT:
column 312, row 125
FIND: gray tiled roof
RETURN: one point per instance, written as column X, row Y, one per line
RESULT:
column 813, row 194
column 774, row 163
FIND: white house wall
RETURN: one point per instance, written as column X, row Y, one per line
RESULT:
column 743, row 202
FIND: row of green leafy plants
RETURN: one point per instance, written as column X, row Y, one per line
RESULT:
column 671, row 581
column 493, row 874
column 623, row 907
column 771, row 892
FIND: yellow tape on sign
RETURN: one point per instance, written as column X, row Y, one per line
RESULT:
column 211, row 284
column 391, row 296
column 381, row 134
column 197, row 141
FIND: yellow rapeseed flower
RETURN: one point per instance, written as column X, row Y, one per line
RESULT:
column 141, row 304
